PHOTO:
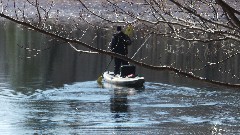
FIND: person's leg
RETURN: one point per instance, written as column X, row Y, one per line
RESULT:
column 117, row 66
column 123, row 62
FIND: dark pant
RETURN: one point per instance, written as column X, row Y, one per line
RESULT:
column 118, row 64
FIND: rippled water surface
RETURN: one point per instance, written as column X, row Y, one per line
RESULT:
column 87, row 108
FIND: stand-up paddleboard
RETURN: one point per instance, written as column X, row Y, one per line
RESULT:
column 130, row 81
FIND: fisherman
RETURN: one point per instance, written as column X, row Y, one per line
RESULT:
column 119, row 44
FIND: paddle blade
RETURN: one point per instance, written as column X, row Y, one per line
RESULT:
column 99, row 80
column 129, row 30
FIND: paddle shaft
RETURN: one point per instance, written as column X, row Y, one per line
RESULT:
column 108, row 64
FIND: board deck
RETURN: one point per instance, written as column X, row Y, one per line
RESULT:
column 123, row 81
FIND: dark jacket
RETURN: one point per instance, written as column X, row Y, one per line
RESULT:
column 120, row 42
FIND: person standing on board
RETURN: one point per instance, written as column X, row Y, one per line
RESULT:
column 119, row 44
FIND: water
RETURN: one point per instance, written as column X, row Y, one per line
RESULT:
column 55, row 92
column 87, row 108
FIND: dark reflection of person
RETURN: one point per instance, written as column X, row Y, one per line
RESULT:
column 119, row 103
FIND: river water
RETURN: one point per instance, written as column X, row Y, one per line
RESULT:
column 54, row 91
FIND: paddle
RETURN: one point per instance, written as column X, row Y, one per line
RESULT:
column 99, row 80
column 129, row 30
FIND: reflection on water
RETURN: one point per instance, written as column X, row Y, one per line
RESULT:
column 56, row 93
column 119, row 103
column 86, row 108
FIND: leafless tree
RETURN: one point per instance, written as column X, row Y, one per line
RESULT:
column 191, row 21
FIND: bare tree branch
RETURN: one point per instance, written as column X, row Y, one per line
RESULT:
column 181, row 20
column 230, row 12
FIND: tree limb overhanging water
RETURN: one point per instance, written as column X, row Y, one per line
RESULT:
column 191, row 21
